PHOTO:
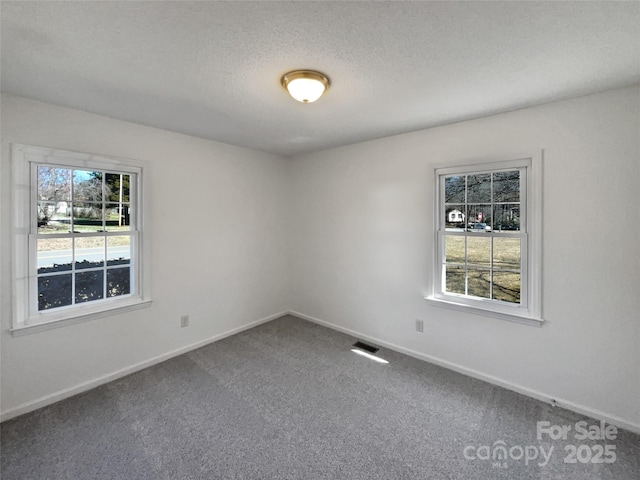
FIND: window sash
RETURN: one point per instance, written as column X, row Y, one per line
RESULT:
column 33, row 267
column 36, row 161
column 474, row 300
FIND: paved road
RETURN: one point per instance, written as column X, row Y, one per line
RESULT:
column 48, row 258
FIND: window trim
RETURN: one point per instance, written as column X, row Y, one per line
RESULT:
column 529, row 312
column 24, row 320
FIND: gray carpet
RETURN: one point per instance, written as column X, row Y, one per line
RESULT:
column 289, row 400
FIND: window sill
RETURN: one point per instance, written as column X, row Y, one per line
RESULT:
column 531, row 321
column 80, row 317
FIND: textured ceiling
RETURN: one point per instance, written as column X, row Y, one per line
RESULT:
column 212, row 69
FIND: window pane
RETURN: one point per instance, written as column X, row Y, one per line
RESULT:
column 89, row 286
column 479, row 283
column 113, row 185
column 507, row 217
column 53, row 217
column 454, row 217
column 479, row 218
column 54, row 291
column 54, row 255
column 89, row 252
column 54, row 183
column 87, row 186
column 454, row 249
column 118, row 250
column 479, row 251
column 506, row 286
column 506, row 253
column 454, row 279
column 87, row 217
column 479, row 188
column 454, row 189
column 118, row 281
column 506, row 186
column 118, row 217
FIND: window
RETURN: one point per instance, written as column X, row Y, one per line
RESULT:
column 78, row 231
column 487, row 250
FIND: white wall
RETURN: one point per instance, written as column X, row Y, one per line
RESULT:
column 362, row 242
column 217, row 220
column 350, row 230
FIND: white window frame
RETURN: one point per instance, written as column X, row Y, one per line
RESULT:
column 26, row 317
column 529, row 310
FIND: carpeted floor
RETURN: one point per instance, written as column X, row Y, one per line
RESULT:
column 289, row 400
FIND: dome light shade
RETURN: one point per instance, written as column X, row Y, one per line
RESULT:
column 305, row 86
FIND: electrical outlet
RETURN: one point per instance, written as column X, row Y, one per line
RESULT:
column 184, row 321
column 419, row 325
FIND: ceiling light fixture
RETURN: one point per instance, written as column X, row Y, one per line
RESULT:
column 305, row 86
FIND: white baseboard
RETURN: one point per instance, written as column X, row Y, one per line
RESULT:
column 545, row 397
column 96, row 382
